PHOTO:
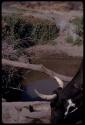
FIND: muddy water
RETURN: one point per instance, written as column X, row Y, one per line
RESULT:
column 61, row 64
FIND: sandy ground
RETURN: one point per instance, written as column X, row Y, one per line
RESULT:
column 18, row 112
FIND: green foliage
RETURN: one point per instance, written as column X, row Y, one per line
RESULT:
column 78, row 23
column 21, row 28
column 45, row 32
column 78, row 41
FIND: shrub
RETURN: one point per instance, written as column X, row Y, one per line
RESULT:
column 22, row 29
column 77, row 41
column 37, row 30
column 78, row 23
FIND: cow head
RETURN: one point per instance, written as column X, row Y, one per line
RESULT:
column 61, row 99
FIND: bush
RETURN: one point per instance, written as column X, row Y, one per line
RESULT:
column 34, row 29
column 45, row 32
column 22, row 29
column 78, row 23
column 78, row 40
column 11, row 76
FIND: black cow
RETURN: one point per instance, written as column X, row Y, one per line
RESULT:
column 66, row 102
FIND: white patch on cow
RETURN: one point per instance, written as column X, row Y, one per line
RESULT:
column 74, row 110
column 70, row 104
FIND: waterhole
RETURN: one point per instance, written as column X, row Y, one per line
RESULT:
column 60, row 63
column 64, row 65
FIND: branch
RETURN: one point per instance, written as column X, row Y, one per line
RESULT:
column 37, row 67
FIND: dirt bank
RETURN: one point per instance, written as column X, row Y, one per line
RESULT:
column 60, row 48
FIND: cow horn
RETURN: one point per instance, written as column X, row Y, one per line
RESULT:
column 46, row 97
column 60, row 82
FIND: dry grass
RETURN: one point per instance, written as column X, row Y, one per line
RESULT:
column 57, row 6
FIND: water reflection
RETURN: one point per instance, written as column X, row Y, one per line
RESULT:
column 64, row 65
column 46, row 86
